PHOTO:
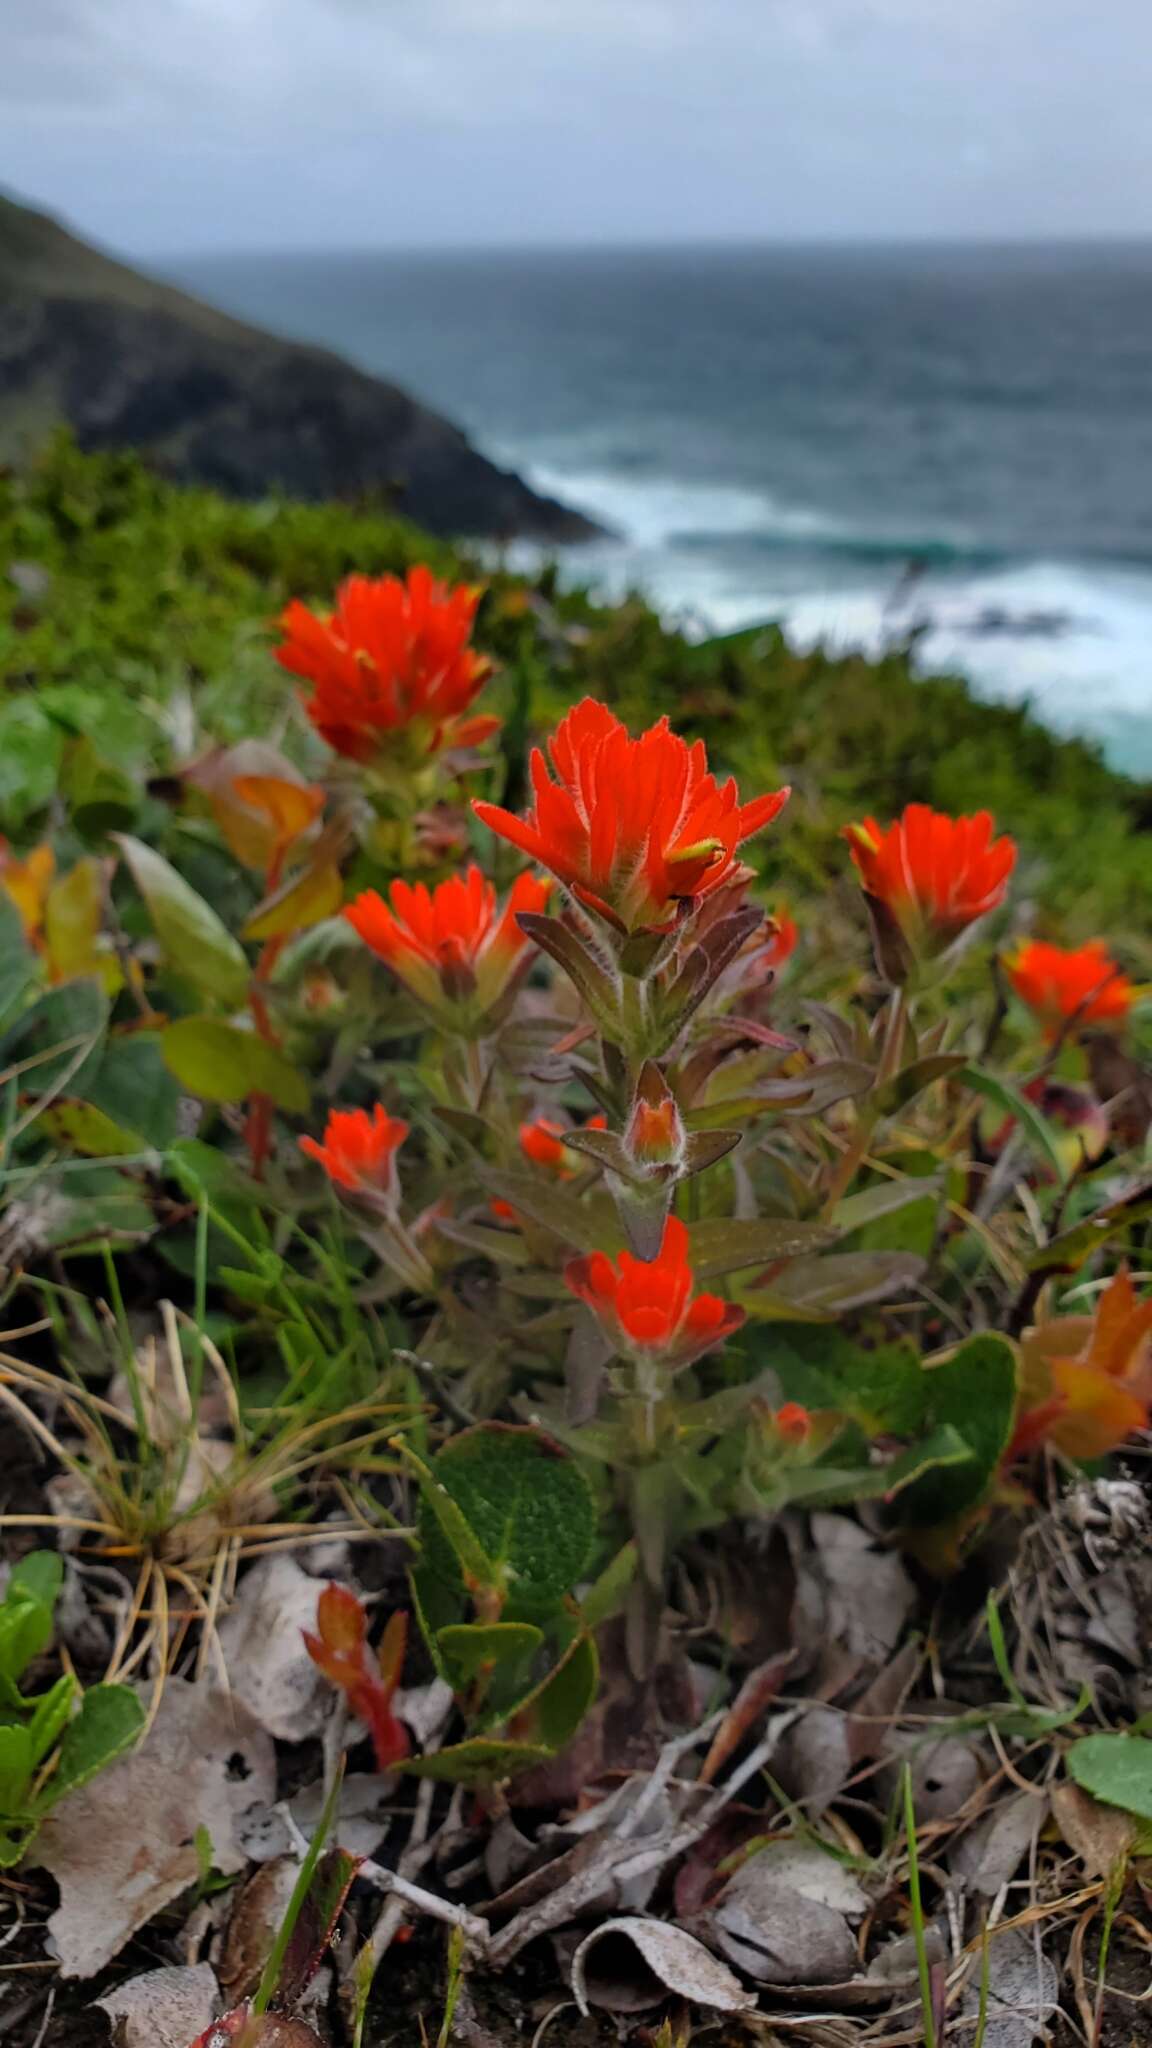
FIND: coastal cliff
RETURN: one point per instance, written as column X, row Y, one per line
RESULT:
column 126, row 361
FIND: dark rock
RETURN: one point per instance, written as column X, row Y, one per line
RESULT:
column 129, row 362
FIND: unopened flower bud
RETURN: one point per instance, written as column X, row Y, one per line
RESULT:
column 655, row 1134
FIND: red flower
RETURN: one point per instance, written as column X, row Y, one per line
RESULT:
column 340, row 1650
column 781, row 934
column 1060, row 983
column 631, row 826
column 793, row 1423
column 543, row 1143
column 451, row 946
column 935, row 874
column 392, row 657
column 647, row 1306
column 359, row 1149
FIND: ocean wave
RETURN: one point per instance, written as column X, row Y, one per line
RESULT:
column 650, row 511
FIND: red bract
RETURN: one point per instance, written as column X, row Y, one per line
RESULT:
column 452, row 946
column 359, row 1149
column 1061, row 983
column 340, row 1650
column 647, row 1307
column 935, row 874
column 543, row 1143
column 631, row 826
column 393, row 657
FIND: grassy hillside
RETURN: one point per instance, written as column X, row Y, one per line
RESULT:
column 139, row 613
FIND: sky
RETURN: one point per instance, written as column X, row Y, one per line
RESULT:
column 181, row 126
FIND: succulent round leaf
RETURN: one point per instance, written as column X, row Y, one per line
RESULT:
column 528, row 1505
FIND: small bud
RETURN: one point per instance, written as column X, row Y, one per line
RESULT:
column 655, row 1135
column 793, row 1424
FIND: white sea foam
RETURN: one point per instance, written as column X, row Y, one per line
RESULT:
column 1073, row 639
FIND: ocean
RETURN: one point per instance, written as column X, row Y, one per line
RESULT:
column 857, row 442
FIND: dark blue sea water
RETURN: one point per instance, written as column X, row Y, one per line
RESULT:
column 781, row 432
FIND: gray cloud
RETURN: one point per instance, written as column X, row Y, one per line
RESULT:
column 215, row 123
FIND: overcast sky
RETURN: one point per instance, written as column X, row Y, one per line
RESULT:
column 181, row 125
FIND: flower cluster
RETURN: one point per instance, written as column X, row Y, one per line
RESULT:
column 392, row 659
column 455, row 950
column 647, row 1309
column 1070, row 986
column 633, row 827
column 931, row 876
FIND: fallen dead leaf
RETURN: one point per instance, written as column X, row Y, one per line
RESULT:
column 163, row 2008
column 122, row 1847
column 1022, row 1991
column 784, row 1916
column 1101, row 1836
column 990, row 1856
column 262, row 1644
column 629, row 1965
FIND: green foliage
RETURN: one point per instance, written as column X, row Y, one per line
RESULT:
column 46, row 1750
column 1116, row 1769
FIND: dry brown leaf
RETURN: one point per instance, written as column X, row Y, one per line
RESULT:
column 631, row 1964
column 783, row 1917
column 1101, row 1836
column 992, row 1854
column 262, row 1644
column 163, row 2008
column 1022, row 1991
column 124, row 1846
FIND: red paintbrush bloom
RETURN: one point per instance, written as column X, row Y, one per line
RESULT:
column 1061, row 982
column 934, row 874
column 394, row 657
column 543, row 1143
column 340, row 1650
column 453, row 947
column 631, row 826
column 647, row 1306
column 359, row 1149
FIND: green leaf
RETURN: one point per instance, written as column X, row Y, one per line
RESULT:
column 81, row 1127
column 222, row 1062
column 974, row 1393
column 100, row 797
column 58, row 1038
column 306, row 900
column 606, row 1596
column 725, row 1244
column 881, row 1389
column 40, row 1575
column 15, row 1837
column 1068, row 1252
column 1116, row 1769
column 561, row 1700
column 16, row 1769
column 110, row 1720
column 25, row 1633
column 480, row 1760
column 198, row 945
column 527, row 1504
column 586, row 1222
column 50, row 1717
column 469, row 1647
column 1031, row 1124
column 830, row 1286
column 134, row 1087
